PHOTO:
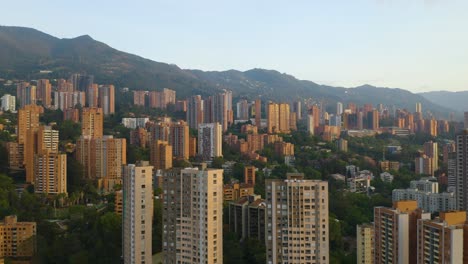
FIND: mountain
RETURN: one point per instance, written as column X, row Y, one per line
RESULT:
column 24, row 52
column 456, row 100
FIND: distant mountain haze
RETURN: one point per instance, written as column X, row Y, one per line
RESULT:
column 24, row 52
column 455, row 100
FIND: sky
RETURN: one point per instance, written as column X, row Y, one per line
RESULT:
column 418, row 45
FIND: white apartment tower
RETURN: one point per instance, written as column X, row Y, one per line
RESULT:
column 210, row 144
column 8, row 103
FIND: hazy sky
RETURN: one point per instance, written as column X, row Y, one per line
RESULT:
column 413, row 44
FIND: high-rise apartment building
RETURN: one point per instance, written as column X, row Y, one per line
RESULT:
column 426, row 192
column 72, row 114
column 249, row 175
column 44, row 92
column 50, row 172
column 465, row 120
column 310, row 124
column 418, row 108
column 365, row 244
column 139, row 137
column 102, row 159
column 176, row 133
column 162, row 99
column 442, row 240
column 278, row 116
column 423, row 165
column 160, row 155
column 92, row 96
column 431, row 150
column 139, row 98
column 179, row 140
column 81, row 82
column 339, row 108
column 452, row 173
column 272, row 118
column 92, row 122
column 242, row 110
column 18, row 239
column 220, row 110
column 38, row 140
column 431, row 127
column 15, row 155
column 8, row 103
column 461, row 172
column 194, row 111
column 297, row 108
column 210, row 140
column 106, row 99
column 137, row 213
column 247, row 217
column 396, row 232
column 26, row 94
column 297, row 220
column 258, row 113
column 66, row 100
column 373, row 119
column 28, row 118
column 193, row 216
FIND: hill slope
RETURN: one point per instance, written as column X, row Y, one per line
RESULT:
column 456, row 100
column 24, row 52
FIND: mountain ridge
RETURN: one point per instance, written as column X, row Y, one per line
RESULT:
column 457, row 100
column 24, row 52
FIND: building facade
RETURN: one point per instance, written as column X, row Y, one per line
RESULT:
column 297, row 220
column 137, row 213
column 192, row 216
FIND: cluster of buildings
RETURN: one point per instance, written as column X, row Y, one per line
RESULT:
column 37, row 152
column 155, row 99
column 405, row 233
column 426, row 192
column 214, row 109
column 292, row 220
column 78, row 90
column 256, row 142
column 428, row 162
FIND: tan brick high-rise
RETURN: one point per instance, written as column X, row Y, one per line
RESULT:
column 193, row 216
column 396, row 232
column 38, row 140
column 43, row 92
column 102, row 159
column 28, row 117
column 50, row 172
column 18, row 239
column 161, row 155
column 297, row 220
column 92, row 122
column 139, row 98
column 443, row 240
column 278, row 118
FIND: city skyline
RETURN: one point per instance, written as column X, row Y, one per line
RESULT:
column 415, row 46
